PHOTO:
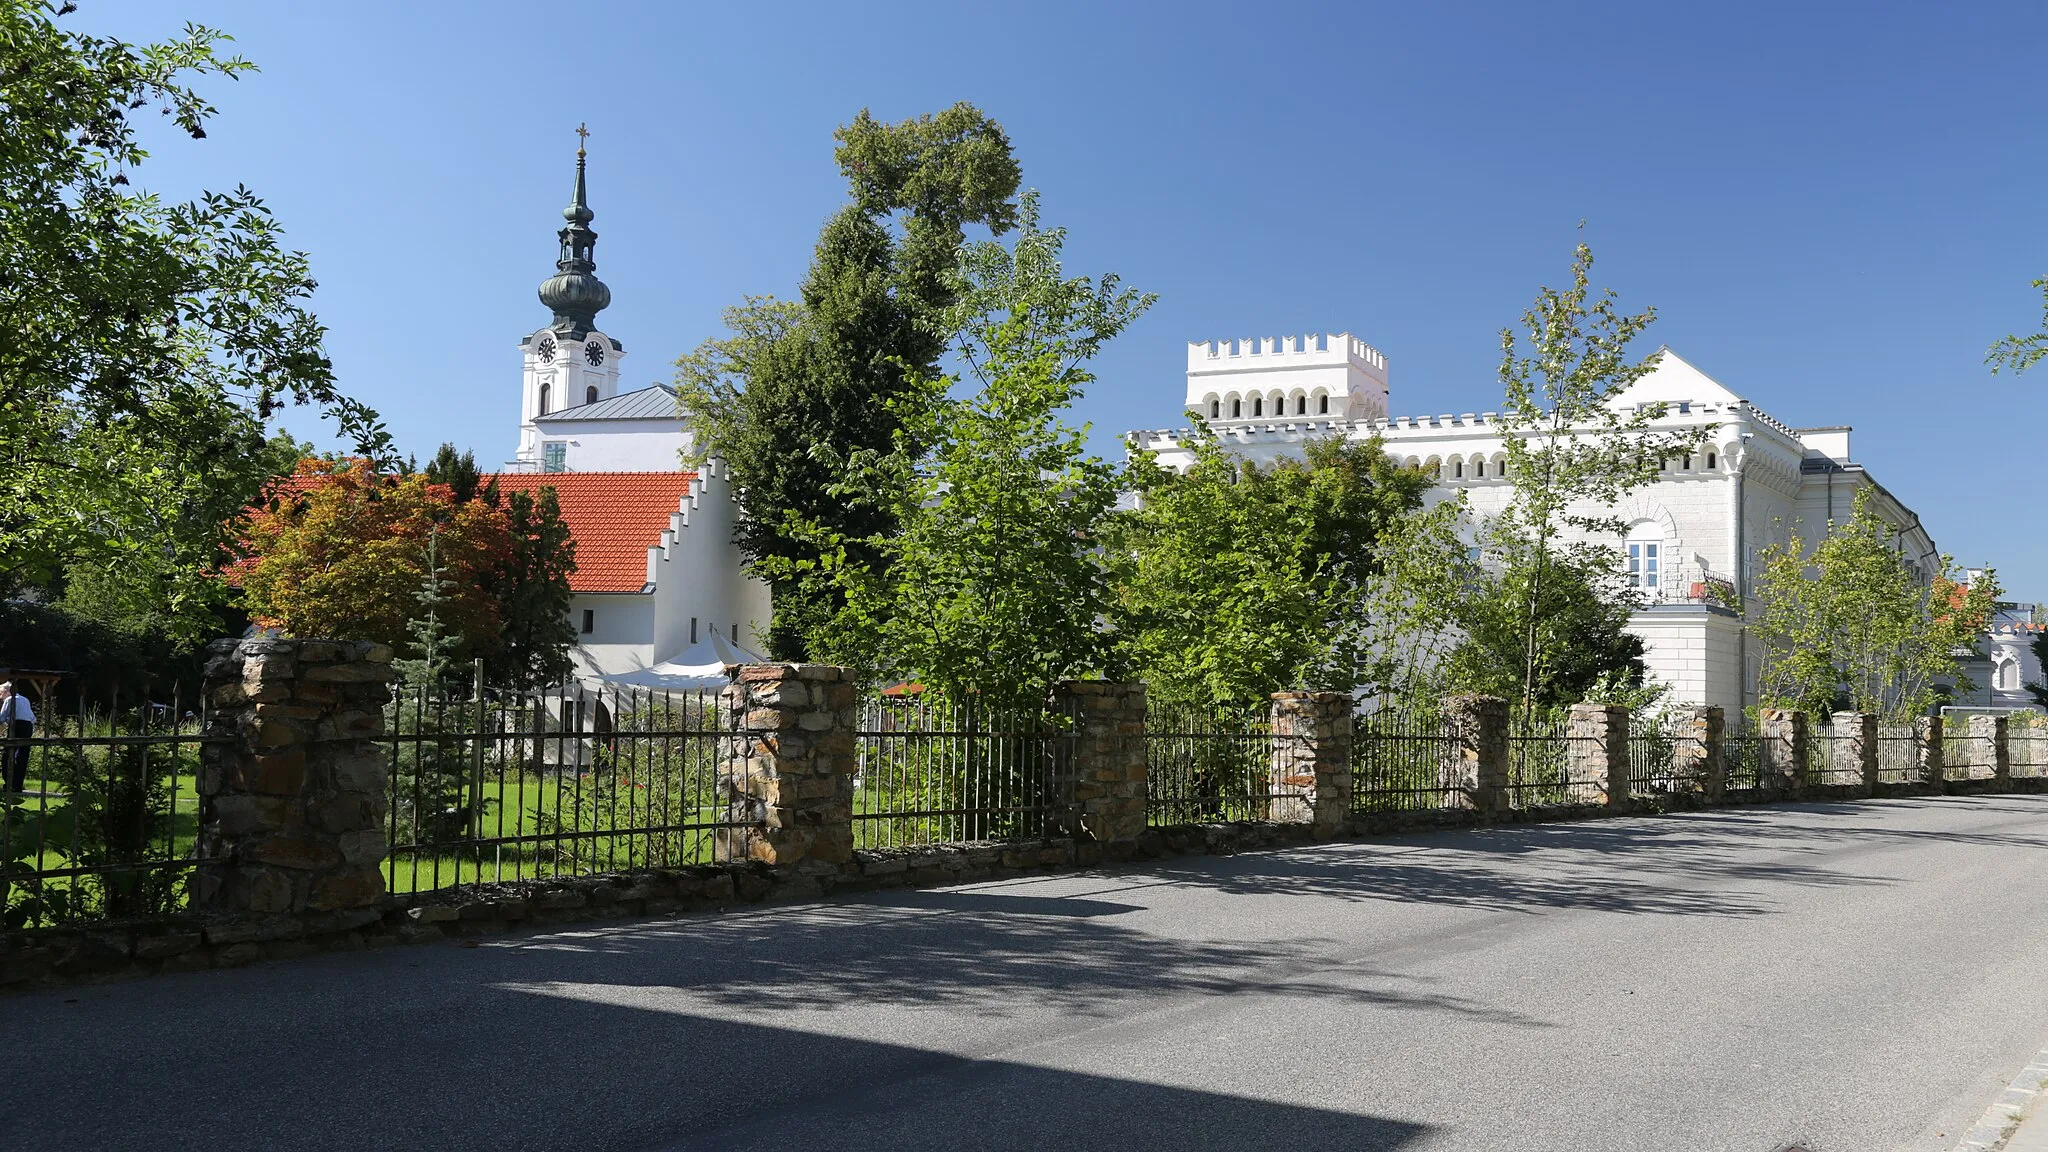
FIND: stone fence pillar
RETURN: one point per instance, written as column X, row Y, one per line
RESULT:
column 1311, row 766
column 1699, row 753
column 1852, row 748
column 292, row 783
column 1990, row 759
column 1100, row 783
column 1927, row 754
column 1597, row 738
column 786, row 765
column 1478, row 768
column 1782, row 751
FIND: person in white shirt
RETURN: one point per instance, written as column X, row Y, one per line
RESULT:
column 18, row 720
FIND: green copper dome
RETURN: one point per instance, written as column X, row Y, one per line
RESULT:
column 574, row 293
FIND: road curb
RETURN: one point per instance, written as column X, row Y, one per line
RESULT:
column 2002, row 1118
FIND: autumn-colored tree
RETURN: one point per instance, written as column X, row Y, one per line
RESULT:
column 343, row 553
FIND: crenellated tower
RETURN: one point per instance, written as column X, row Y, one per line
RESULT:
column 570, row 362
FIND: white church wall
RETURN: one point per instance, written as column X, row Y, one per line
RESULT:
column 617, row 445
column 697, row 573
column 619, row 641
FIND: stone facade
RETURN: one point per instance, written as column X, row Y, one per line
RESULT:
column 1781, row 751
column 1100, row 780
column 1311, row 734
column 786, row 764
column 293, row 784
column 1478, row 773
column 1699, row 762
column 1598, row 750
column 1927, row 751
column 1852, row 749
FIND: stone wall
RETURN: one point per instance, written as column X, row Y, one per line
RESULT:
column 1099, row 781
column 293, row 787
column 1311, row 735
column 1852, row 749
column 787, row 763
column 1477, row 774
column 1781, row 751
column 1699, row 760
column 1599, row 750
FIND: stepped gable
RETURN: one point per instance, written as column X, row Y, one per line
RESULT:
column 615, row 516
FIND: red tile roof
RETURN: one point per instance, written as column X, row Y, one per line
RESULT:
column 615, row 516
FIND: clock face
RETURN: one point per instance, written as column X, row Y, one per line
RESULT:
column 594, row 353
column 546, row 351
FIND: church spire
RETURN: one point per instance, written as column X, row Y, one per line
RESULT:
column 574, row 294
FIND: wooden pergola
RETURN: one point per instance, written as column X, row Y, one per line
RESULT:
column 43, row 682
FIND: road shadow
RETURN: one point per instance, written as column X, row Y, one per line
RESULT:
column 495, row 1068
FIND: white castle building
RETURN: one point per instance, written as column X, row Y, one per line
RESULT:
column 660, row 595
column 1693, row 535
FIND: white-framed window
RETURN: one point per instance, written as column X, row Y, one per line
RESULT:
column 1643, row 554
column 554, row 456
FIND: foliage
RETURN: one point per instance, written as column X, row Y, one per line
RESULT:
column 1853, row 625
column 1242, row 581
column 532, row 587
column 343, row 558
column 2020, row 353
column 146, row 342
column 459, row 472
column 1571, row 445
column 2039, row 691
column 992, row 583
column 800, row 387
column 1568, row 604
column 427, row 668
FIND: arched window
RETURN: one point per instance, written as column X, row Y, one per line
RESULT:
column 545, row 389
column 590, row 394
column 2007, row 675
column 1457, row 469
column 1301, row 405
column 1710, row 461
column 1687, row 466
column 1236, row 408
column 1323, row 405
column 1644, row 556
column 1215, row 409
column 1479, row 468
column 1258, row 405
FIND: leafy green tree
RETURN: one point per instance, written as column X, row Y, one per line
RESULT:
column 1241, row 581
column 2039, row 691
column 800, row 387
column 533, row 593
column 1572, row 449
column 2020, row 353
column 1580, row 614
column 992, row 584
column 1852, row 624
column 143, row 343
column 459, row 472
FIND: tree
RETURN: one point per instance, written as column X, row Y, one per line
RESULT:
column 346, row 556
column 2020, row 353
column 1570, row 447
column 800, row 387
column 1852, row 624
column 992, row 584
column 2039, row 690
column 459, row 472
column 1580, row 618
column 1242, row 581
column 143, row 343
column 532, row 589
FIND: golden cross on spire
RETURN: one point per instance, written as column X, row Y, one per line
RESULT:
column 582, row 135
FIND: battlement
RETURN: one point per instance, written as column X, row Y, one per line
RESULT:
column 1327, row 375
column 1254, row 352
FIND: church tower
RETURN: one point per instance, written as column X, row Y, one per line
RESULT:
column 569, row 363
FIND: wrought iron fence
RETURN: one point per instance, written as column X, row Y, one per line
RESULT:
column 1405, row 761
column 105, row 825
column 1540, row 769
column 1206, row 767
column 1898, row 754
column 933, row 771
column 1742, row 756
column 2026, row 741
column 1827, row 762
column 1661, row 761
column 525, row 786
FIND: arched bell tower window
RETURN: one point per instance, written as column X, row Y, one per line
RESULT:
column 545, row 391
column 1258, row 405
column 1215, row 409
column 1644, row 556
column 590, row 394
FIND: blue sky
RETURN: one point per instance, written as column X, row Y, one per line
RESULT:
column 1834, row 208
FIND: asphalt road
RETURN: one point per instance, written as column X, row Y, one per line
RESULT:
column 1844, row 977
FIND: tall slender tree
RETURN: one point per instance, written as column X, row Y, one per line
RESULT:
column 798, row 387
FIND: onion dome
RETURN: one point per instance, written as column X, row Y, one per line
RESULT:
column 574, row 293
